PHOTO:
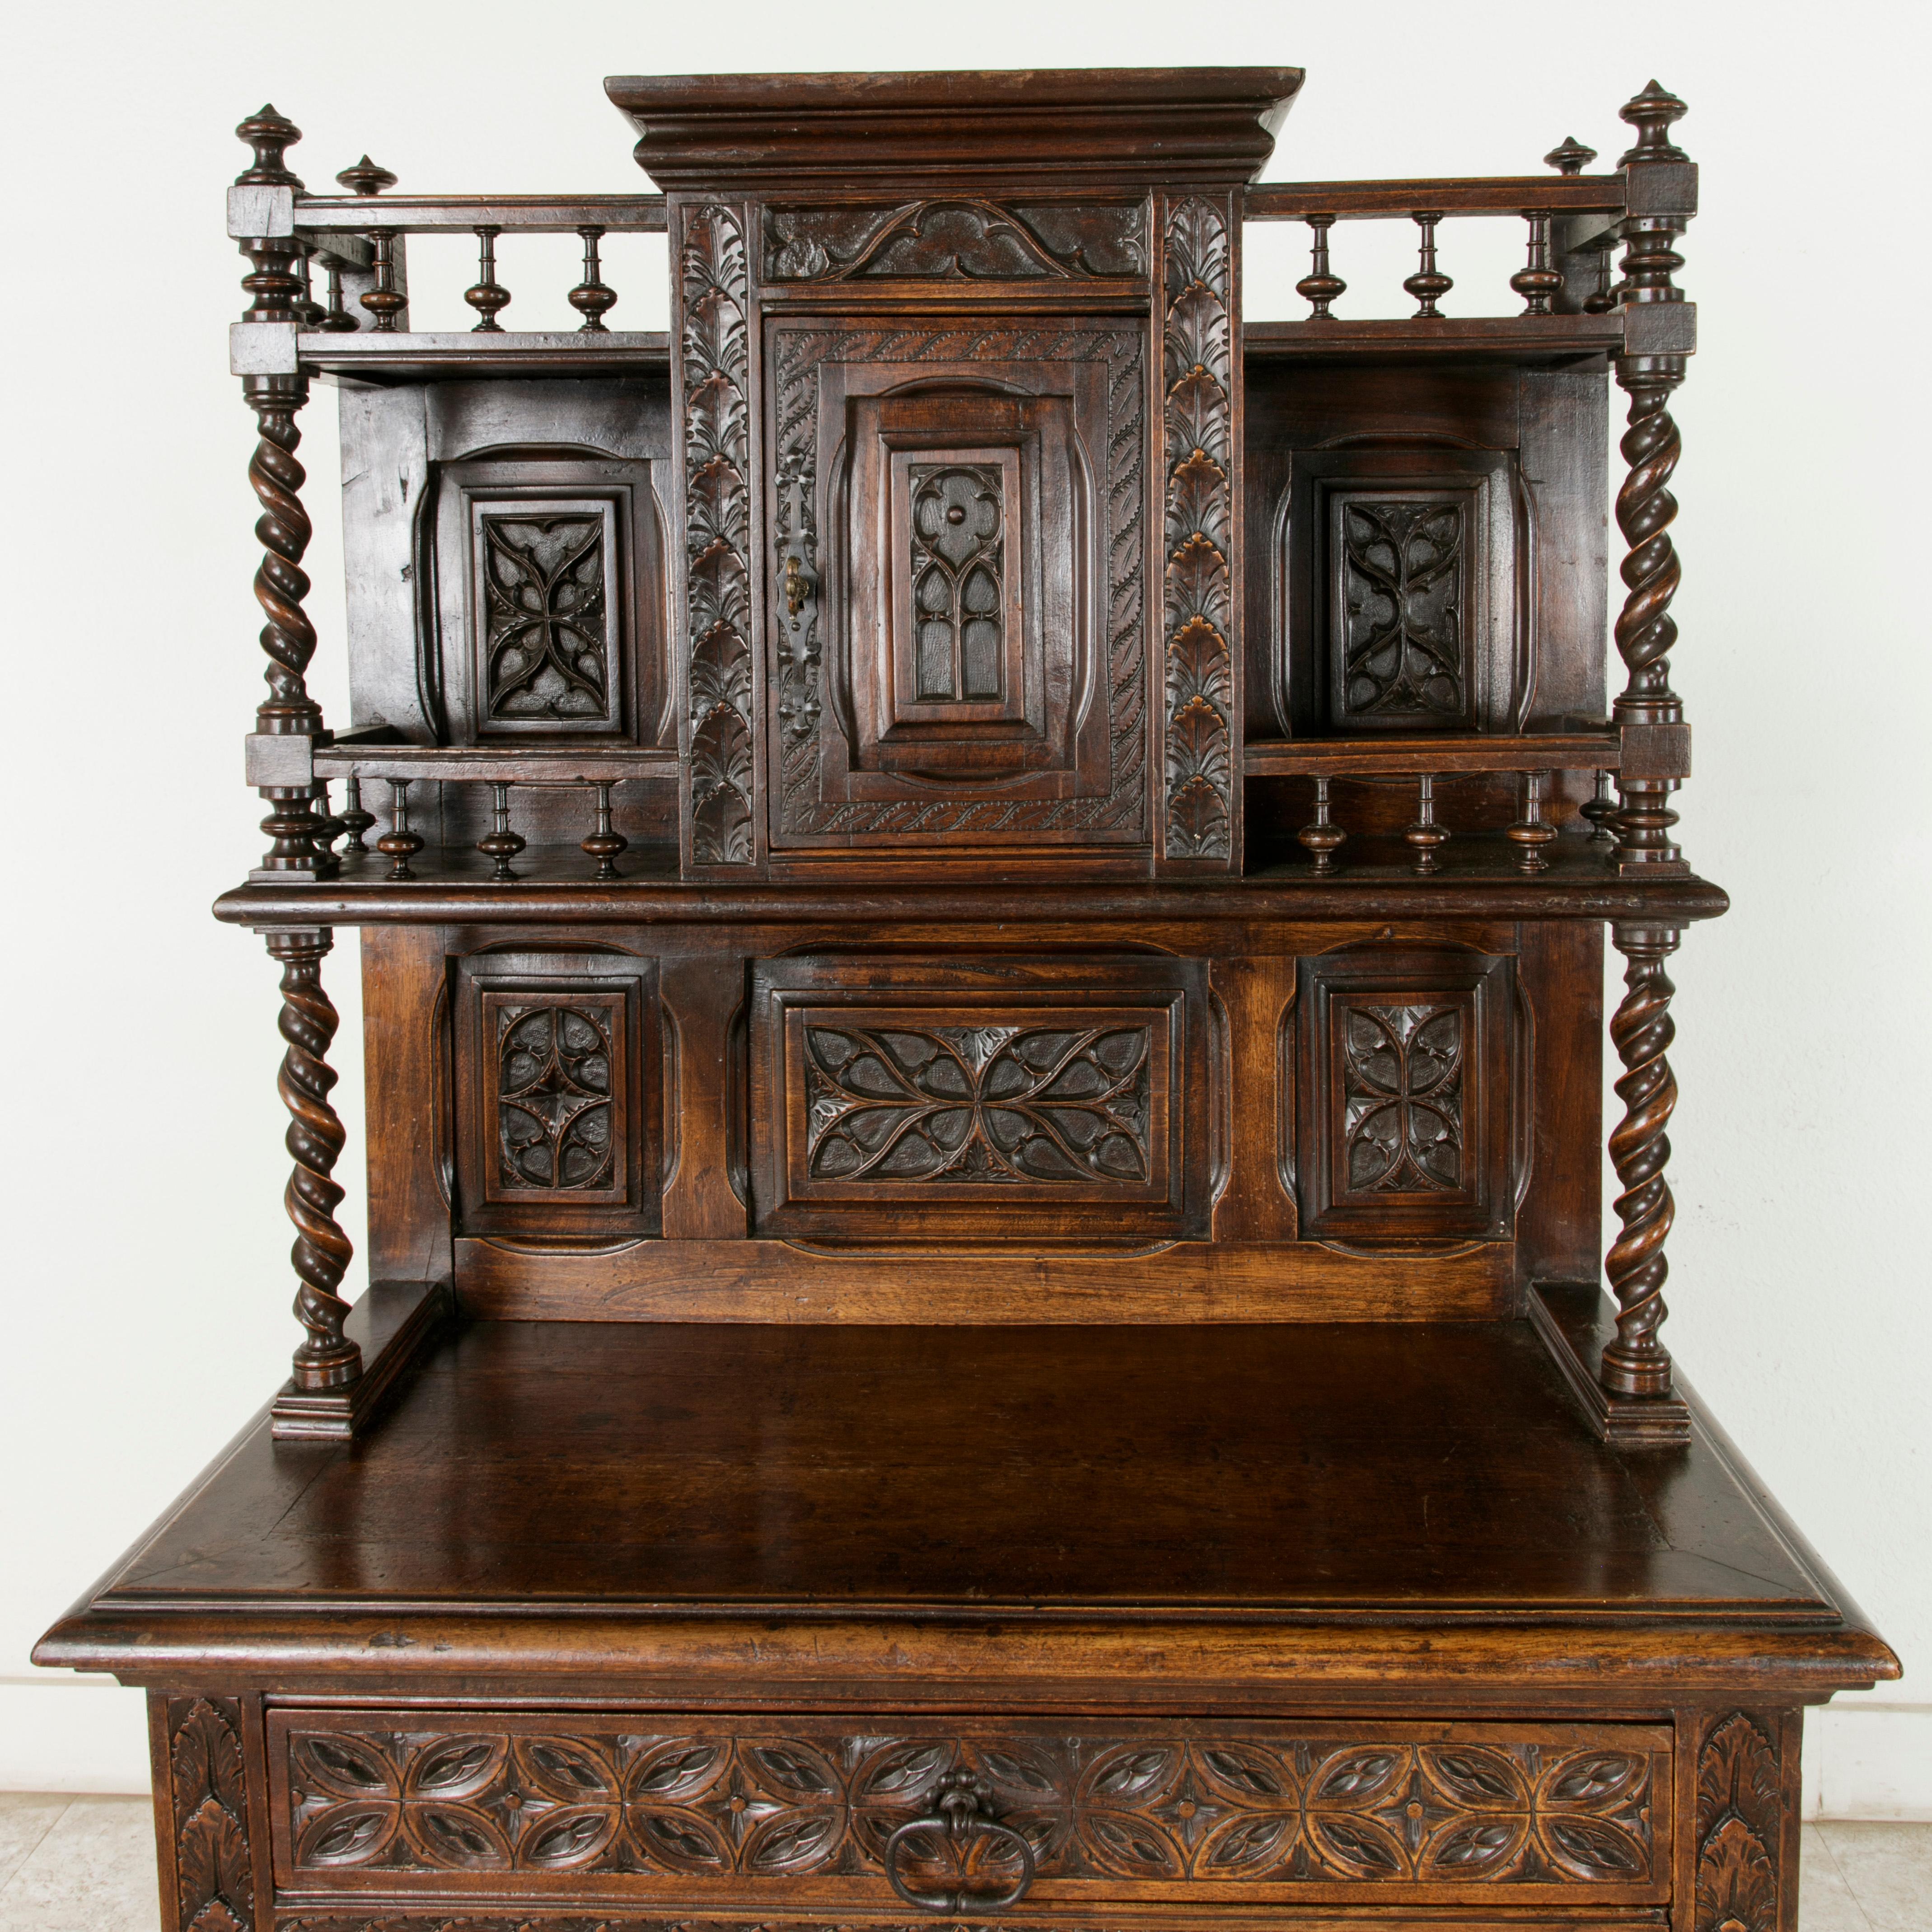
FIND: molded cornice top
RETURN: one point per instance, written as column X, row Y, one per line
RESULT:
column 1130, row 127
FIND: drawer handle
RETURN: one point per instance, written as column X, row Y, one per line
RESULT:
column 962, row 1821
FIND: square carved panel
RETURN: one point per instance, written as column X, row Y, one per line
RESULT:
column 1398, row 606
column 556, row 1094
column 1408, row 1116
column 547, row 594
column 998, row 1099
column 959, row 580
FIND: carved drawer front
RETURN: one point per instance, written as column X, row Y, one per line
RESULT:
column 958, row 581
column 719, row 1813
column 990, row 1099
column 556, row 1094
column 1411, row 1107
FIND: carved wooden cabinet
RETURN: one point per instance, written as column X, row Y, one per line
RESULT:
column 981, row 883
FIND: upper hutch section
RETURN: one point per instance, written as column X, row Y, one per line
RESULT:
column 959, row 518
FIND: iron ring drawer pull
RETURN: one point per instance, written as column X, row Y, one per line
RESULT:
column 962, row 1821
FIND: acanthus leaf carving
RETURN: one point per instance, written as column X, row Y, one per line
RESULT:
column 715, row 288
column 1198, row 514
column 214, row 1870
column 1740, row 1824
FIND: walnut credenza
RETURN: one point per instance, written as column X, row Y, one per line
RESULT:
column 982, row 888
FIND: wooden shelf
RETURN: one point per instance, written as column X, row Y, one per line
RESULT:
column 367, row 357
column 1441, row 756
column 497, row 764
column 1436, row 1472
column 1477, row 879
column 1533, row 338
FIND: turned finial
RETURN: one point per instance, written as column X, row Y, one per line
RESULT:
column 269, row 133
column 366, row 178
column 1651, row 114
column 1569, row 156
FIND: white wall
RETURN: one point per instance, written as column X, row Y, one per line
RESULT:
column 145, row 1279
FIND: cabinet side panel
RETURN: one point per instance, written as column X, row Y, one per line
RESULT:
column 1559, row 1230
column 405, row 1080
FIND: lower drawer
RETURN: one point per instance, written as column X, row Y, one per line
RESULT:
column 715, row 1814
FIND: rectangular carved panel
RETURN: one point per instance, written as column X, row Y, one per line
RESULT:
column 958, row 577
column 993, row 1099
column 962, row 240
column 1409, row 1118
column 549, row 601
column 557, row 1085
column 812, row 1813
column 1398, row 606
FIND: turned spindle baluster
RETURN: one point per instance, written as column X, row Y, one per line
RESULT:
column 336, row 320
column 1645, row 631
column 1321, row 836
column 1537, row 282
column 590, row 298
column 309, row 312
column 604, row 844
column 399, row 845
column 1428, row 284
column 385, row 301
column 1637, row 1364
column 327, row 1359
column 1601, row 810
column 1425, row 837
column 500, row 845
column 355, row 820
column 1532, row 831
column 328, row 826
column 1319, row 286
column 488, row 295
column 1571, row 157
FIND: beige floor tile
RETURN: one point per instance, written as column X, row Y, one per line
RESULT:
column 25, row 1818
column 1826, row 1902
column 1889, row 1869
column 92, row 1871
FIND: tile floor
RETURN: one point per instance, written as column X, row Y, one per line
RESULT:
column 87, row 1864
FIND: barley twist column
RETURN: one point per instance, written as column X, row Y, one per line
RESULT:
column 327, row 1358
column 1636, row 1364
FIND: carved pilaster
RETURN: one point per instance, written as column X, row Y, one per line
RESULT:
column 1636, row 1364
column 213, row 1887
column 326, row 1359
column 1742, row 1783
column 1198, row 817
column 1663, row 190
column 713, row 287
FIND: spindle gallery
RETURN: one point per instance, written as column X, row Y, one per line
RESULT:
column 981, row 884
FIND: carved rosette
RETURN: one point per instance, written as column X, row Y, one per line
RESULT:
column 327, row 1359
column 714, row 289
column 1637, row 1364
column 213, row 1873
column 1197, row 818
column 1740, row 1824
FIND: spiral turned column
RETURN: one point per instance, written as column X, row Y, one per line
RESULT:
column 1646, row 630
column 327, row 1358
column 288, row 637
column 1636, row 1364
